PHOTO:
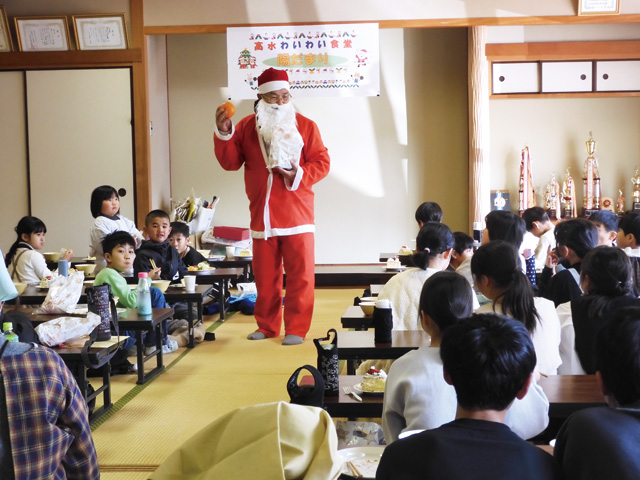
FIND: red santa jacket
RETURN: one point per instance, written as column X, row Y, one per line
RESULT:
column 289, row 212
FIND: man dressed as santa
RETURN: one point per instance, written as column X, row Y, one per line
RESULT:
column 283, row 157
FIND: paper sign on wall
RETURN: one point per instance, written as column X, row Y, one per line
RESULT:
column 321, row 60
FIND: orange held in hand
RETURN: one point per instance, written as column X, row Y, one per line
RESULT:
column 229, row 108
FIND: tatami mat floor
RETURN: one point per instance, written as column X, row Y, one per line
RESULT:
column 201, row 384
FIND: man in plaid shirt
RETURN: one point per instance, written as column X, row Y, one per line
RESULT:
column 44, row 427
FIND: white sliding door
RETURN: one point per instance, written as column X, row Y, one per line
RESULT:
column 14, row 196
column 79, row 137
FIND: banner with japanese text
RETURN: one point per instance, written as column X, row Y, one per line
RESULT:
column 321, row 60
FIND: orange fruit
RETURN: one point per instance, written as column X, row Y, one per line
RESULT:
column 229, row 108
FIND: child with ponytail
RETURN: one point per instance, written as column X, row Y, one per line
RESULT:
column 498, row 276
column 24, row 262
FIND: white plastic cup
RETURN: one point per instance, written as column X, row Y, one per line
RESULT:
column 231, row 252
column 190, row 282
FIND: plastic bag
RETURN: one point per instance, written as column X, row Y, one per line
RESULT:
column 64, row 293
column 60, row 330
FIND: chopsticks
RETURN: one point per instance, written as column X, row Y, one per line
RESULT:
column 153, row 264
column 354, row 470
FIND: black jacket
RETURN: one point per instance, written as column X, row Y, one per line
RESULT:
column 164, row 255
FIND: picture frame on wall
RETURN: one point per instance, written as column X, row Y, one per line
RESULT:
column 42, row 34
column 598, row 7
column 101, row 32
column 6, row 45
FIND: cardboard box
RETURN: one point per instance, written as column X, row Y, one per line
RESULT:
column 232, row 233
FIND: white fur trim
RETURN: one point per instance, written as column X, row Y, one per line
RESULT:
column 283, row 232
column 272, row 86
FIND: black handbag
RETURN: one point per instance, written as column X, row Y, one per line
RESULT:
column 101, row 302
column 311, row 395
column 328, row 362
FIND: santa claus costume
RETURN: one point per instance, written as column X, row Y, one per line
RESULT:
column 282, row 211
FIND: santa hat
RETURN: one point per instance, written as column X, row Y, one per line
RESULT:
column 271, row 80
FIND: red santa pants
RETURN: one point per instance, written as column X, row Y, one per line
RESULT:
column 296, row 253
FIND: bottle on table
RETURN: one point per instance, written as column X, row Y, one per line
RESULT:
column 7, row 328
column 144, row 294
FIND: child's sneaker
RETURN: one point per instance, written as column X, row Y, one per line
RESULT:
column 170, row 347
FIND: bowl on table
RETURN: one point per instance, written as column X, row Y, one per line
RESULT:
column 367, row 308
column 204, row 253
column 20, row 287
column 52, row 256
column 161, row 284
column 87, row 268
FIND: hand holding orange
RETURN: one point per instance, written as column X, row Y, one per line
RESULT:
column 228, row 108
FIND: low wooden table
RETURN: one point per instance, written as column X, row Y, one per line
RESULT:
column 129, row 320
column 566, row 393
column 180, row 294
column 349, row 275
column 98, row 355
column 354, row 317
column 354, row 346
column 246, row 263
column 220, row 277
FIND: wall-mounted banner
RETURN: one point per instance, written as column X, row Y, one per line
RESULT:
column 321, row 60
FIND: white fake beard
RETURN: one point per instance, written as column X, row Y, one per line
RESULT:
column 271, row 115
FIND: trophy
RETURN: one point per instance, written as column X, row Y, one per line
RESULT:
column 526, row 194
column 568, row 197
column 552, row 198
column 620, row 209
column 591, row 179
column 636, row 191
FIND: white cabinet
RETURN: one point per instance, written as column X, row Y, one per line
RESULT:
column 516, row 78
column 567, row 77
column 618, row 76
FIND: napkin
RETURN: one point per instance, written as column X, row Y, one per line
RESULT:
column 273, row 440
column 7, row 288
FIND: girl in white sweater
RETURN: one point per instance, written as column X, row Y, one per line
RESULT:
column 105, row 208
column 24, row 262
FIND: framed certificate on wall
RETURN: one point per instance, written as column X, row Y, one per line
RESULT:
column 598, row 7
column 5, row 35
column 101, row 32
column 42, row 34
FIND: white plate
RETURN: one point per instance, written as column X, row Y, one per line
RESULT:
column 366, row 460
column 358, row 389
column 395, row 269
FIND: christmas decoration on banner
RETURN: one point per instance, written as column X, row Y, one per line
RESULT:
column 321, row 60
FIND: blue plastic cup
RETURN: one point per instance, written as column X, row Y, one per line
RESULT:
column 63, row 268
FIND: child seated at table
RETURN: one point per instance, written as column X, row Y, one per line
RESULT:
column 607, row 224
column 603, row 442
column 540, row 227
column 628, row 238
column 24, row 262
column 179, row 238
column 105, row 208
column 119, row 253
column 574, row 239
column 416, row 395
column 489, row 359
column 606, row 280
column 156, row 255
column 461, row 255
column 428, row 212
